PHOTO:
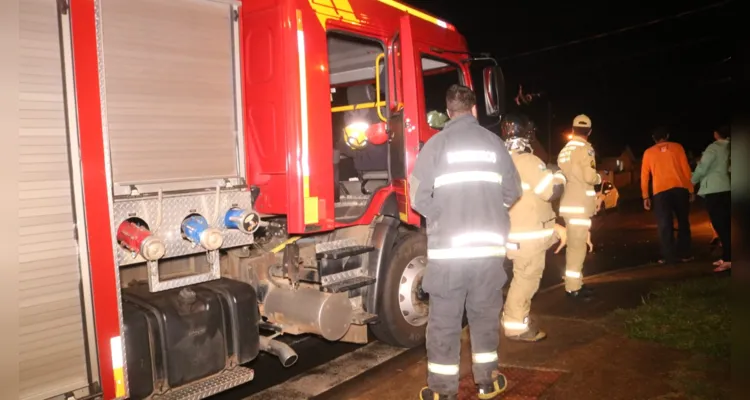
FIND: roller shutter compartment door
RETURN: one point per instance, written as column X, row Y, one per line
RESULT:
column 51, row 349
column 169, row 87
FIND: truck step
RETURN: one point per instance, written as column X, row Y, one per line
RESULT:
column 337, row 254
column 349, row 284
column 362, row 317
column 210, row 386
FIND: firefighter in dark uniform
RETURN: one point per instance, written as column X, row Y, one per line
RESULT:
column 578, row 203
column 532, row 228
column 463, row 183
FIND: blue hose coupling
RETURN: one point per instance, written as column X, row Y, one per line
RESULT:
column 195, row 229
column 246, row 221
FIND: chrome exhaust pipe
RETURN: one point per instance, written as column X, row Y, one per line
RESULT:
column 285, row 354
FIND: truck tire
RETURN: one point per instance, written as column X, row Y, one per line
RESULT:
column 402, row 314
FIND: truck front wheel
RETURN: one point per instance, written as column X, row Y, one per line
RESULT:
column 402, row 306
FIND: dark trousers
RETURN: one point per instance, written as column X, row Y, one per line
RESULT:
column 477, row 286
column 670, row 204
column 719, row 207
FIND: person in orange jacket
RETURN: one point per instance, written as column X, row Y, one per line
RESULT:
column 666, row 165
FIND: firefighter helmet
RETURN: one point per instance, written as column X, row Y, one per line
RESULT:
column 436, row 119
column 516, row 131
column 355, row 135
column 514, row 126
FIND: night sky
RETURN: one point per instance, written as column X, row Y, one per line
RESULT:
column 669, row 64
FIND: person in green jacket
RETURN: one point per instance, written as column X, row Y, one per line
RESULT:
column 712, row 173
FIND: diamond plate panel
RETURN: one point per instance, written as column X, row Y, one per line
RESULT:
column 343, row 276
column 174, row 210
column 211, row 386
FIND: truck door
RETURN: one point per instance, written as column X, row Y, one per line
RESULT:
column 404, row 117
column 421, row 76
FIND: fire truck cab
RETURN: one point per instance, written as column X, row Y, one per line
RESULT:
column 181, row 192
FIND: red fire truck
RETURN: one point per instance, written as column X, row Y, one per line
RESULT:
column 179, row 189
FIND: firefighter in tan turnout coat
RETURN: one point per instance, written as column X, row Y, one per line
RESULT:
column 578, row 203
column 532, row 228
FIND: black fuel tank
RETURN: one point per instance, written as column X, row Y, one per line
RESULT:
column 182, row 335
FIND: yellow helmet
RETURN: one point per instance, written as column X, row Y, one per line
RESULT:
column 355, row 135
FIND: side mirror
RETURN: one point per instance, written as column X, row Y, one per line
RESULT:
column 494, row 91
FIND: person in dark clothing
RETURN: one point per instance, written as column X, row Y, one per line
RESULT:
column 712, row 173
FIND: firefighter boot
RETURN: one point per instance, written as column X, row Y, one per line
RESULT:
column 427, row 394
column 492, row 390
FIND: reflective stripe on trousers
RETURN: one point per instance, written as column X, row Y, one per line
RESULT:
column 573, row 274
column 442, row 369
column 482, row 358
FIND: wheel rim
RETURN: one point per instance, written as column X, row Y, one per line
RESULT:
column 412, row 308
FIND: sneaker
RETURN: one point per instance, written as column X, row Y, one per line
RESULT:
column 724, row 266
column 427, row 394
column 718, row 262
column 532, row 335
column 492, row 390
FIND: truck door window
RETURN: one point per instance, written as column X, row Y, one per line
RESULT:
column 437, row 76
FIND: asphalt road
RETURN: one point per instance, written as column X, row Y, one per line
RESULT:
column 622, row 238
